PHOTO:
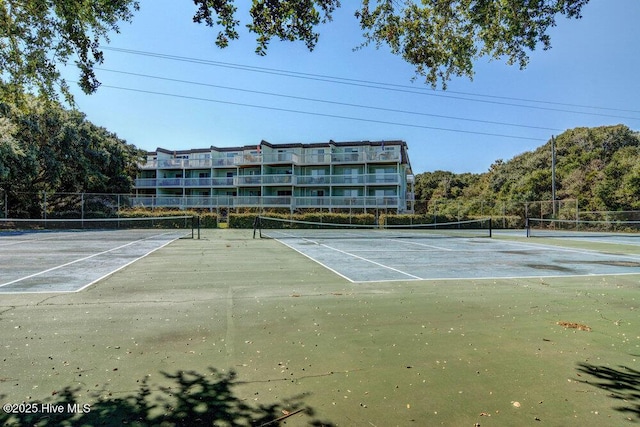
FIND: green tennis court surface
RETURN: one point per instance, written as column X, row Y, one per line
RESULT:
column 229, row 330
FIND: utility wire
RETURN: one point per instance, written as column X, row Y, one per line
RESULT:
column 334, row 116
column 301, row 98
column 379, row 85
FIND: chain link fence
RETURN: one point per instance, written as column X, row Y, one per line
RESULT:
column 505, row 213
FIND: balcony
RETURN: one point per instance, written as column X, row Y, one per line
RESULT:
column 256, row 180
column 145, row 182
column 170, row 182
column 342, row 202
column 274, row 179
column 348, row 157
column 313, row 180
column 178, row 164
column 280, row 158
column 316, row 158
column 286, row 179
column 373, row 156
column 224, row 162
column 383, row 156
column 184, row 182
column 222, row 182
column 197, row 182
column 313, row 202
column 324, row 180
column 266, row 158
column 383, row 179
column 262, row 201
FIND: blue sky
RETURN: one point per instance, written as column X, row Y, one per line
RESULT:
column 588, row 78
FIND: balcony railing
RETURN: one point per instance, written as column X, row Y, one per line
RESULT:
column 184, row 182
column 188, row 163
column 249, row 180
column 222, row 182
column 381, row 179
column 266, row 158
column 271, row 179
column 274, row 158
column 145, row 182
column 336, row 202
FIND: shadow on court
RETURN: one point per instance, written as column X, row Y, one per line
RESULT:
column 623, row 384
column 189, row 398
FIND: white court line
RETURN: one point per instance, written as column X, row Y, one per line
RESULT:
column 440, row 248
column 349, row 254
column 370, row 261
column 77, row 260
column 555, row 276
column 532, row 246
column 315, row 260
column 125, row 265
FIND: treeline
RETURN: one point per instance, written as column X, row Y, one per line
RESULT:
column 597, row 168
column 47, row 148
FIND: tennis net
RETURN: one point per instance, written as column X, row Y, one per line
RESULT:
column 539, row 227
column 185, row 224
column 278, row 228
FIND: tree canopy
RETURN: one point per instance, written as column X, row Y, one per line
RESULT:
column 45, row 149
column 598, row 167
column 440, row 38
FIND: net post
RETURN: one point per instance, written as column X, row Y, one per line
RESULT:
column 195, row 226
column 256, row 225
column 490, row 228
column 527, row 227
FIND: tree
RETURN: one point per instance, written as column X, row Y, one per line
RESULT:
column 37, row 36
column 441, row 38
column 46, row 148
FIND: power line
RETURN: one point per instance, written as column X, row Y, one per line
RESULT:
column 327, row 101
column 334, row 116
column 380, row 85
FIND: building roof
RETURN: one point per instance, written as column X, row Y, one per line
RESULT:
column 284, row 145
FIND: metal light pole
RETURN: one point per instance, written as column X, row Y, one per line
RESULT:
column 553, row 174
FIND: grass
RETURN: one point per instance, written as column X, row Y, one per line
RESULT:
column 229, row 330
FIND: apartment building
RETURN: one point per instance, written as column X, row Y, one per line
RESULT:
column 362, row 175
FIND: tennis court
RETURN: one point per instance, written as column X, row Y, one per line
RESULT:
column 453, row 251
column 56, row 260
column 373, row 259
column 612, row 232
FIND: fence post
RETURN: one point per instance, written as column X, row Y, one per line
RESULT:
column 6, row 203
column 504, row 214
column 435, row 211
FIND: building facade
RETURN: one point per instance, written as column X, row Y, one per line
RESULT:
column 332, row 176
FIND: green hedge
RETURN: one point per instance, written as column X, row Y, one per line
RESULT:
column 247, row 220
column 207, row 219
column 241, row 220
